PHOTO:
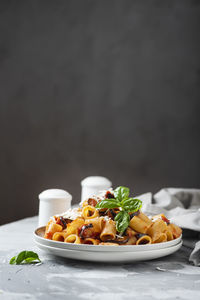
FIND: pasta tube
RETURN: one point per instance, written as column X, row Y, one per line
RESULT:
column 59, row 236
column 156, row 231
column 97, row 223
column 72, row 228
column 169, row 235
column 73, row 238
column 51, row 228
column 91, row 241
column 175, row 230
column 138, row 225
column 109, row 231
column 89, row 212
column 161, row 238
column 144, row 218
column 157, row 227
column 145, row 239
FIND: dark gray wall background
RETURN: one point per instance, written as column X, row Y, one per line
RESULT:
column 97, row 87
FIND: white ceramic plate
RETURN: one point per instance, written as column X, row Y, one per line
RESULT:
column 108, row 256
column 39, row 233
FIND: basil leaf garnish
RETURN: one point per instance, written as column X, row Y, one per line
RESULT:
column 25, row 257
column 132, row 205
column 121, row 193
column 127, row 205
column 108, row 203
column 122, row 221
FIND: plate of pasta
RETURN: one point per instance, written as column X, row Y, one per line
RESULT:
column 111, row 227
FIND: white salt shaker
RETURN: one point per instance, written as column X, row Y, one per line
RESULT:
column 92, row 185
column 52, row 202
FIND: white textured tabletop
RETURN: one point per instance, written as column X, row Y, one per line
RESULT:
column 171, row 277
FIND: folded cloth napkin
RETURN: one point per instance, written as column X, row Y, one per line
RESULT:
column 182, row 207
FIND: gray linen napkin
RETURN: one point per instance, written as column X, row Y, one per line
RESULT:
column 182, row 207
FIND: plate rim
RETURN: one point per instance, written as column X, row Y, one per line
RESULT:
column 103, row 248
column 116, row 257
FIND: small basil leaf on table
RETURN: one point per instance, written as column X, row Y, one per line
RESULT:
column 121, row 193
column 108, row 203
column 13, row 260
column 30, row 260
column 20, row 257
column 25, row 257
column 32, row 254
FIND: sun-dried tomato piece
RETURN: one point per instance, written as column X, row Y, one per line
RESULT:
column 109, row 195
column 61, row 221
column 87, row 231
column 92, row 202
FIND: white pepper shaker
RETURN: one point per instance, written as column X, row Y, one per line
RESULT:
column 92, row 185
column 53, row 202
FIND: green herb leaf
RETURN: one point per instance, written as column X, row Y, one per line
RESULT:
column 132, row 205
column 127, row 205
column 32, row 254
column 121, row 193
column 25, row 257
column 122, row 221
column 13, row 260
column 20, row 257
column 31, row 260
column 108, row 203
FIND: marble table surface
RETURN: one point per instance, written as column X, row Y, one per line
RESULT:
column 171, row 277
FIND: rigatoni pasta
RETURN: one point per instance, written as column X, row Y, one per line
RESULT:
column 59, row 236
column 91, row 241
column 89, row 212
column 95, row 224
column 73, row 238
column 143, row 240
column 72, row 228
column 138, row 225
column 109, row 231
column 156, row 231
